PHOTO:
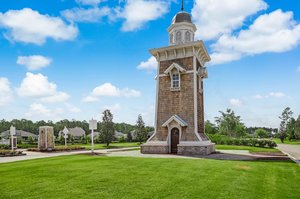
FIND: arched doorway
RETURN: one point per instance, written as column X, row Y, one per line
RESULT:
column 174, row 140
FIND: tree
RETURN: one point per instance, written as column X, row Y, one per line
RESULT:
column 129, row 137
column 297, row 128
column 107, row 130
column 30, row 140
column 261, row 133
column 229, row 124
column 141, row 134
column 210, row 128
column 285, row 119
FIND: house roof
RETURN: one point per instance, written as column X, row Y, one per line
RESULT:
column 19, row 133
column 177, row 119
column 77, row 132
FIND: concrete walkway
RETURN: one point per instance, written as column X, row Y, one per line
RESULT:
column 37, row 155
column 292, row 150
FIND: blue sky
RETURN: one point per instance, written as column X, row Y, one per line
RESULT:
column 74, row 58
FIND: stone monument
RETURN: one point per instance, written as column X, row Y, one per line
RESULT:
column 179, row 114
column 46, row 138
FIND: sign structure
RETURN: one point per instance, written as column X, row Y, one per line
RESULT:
column 65, row 132
column 92, row 127
column 13, row 139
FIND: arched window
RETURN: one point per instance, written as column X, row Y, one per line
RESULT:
column 187, row 36
column 178, row 37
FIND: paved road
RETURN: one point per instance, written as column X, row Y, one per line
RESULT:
column 292, row 150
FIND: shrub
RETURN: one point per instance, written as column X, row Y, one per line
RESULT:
column 3, row 146
column 225, row 140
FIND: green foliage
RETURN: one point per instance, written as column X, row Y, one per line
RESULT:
column 285, row 126
column 261, row 133
column 141, row 134
column 122, row 139
column 229, row 124
column 210, row 128
column 107, row 131
column 3, row 146
column 129, row 137
column 30, row 140
column 225, row 140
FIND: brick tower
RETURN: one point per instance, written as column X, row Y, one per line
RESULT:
column 179, row 114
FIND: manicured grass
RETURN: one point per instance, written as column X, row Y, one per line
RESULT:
column 112, row 145
column 86, row 176
column 286, row 141
column 248, row 148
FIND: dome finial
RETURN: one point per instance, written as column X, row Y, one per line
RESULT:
column 182, row 5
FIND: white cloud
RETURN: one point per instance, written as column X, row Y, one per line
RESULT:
column 149, row 65
column 277, row 94
column 38, row 86
column 269, row 95
column 94, row 14
column 274, row 32
column 34, row 62
column 138, row 12
column 30, row 26
column 57, row 97
column 72, row 109
column 5, row 91
column 235, row 102
column 40, row 110
column 89, row 2
column 112, row 108
column 109, row 90
column 216, row 17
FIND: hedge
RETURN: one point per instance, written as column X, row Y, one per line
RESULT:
column 59, row 148
column 225, row 140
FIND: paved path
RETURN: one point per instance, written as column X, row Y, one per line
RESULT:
column 292, row 150
column 37, row 155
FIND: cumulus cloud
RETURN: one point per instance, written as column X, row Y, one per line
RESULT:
column 40, row 110
column 269, row 95
column 149, row 65
column 29, row 26
column 93, row 14
column 235, row 102
column 138, row 12
column 216, row 17
column 274, row 32
column 109, row 90
column 72, row 109
column 34, row 62
column 112, row 108
column 5, row 91
column 89, row 2
column 38, row 86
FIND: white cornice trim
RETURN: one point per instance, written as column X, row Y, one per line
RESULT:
column 177, row 119
column 174, row 65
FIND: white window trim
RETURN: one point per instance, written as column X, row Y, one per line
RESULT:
column 179, row 81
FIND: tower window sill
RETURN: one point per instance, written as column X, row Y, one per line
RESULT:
column 175, row 89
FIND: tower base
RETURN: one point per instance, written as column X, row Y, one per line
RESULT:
column 184, row 148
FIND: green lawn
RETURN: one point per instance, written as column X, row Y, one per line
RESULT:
column 248, row 148
column 112, row 145
column 286, row 141
column 85, row 176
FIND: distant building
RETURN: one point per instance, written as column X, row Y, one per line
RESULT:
column 96, row 134
column 118, row 135
column 76, row 132
column 20, row 134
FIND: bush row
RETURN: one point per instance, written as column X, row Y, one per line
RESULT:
column 3, row 146
column 58, row 149
column 8, row 153
column 225, row 140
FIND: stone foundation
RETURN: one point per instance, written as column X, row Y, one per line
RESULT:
column 196, row 149
column 155, row 148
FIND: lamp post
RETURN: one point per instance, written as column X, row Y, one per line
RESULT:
column 65, row 132
column 12, row 133
column 92, row 127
